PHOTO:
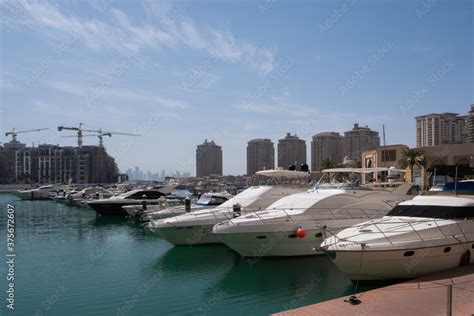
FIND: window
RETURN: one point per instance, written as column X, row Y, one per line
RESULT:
column 149, row 195
column 433, row 211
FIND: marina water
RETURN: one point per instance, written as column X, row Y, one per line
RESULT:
column 69, row 261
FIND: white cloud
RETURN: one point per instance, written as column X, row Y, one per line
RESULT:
column 140, row 96
column 277, row 105
column 132, row 96
column 166, row 26
column 67, row 87
column 6, row 84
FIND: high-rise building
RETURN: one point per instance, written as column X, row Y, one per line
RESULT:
column 208, row 159
column 260, row 155
column 291, row 151
column 326, row 146
column 441, row 128
column 470, row 124
column 358, row 140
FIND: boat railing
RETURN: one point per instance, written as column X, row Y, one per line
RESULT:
column 315, row 214
column 398, row 227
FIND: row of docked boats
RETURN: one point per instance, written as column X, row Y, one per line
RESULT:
column 371, row 232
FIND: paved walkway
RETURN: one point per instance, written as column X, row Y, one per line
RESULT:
column 424, row 296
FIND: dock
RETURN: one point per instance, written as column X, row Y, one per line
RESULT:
column 424, row 296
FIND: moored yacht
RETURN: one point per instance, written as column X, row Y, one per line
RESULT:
column 46, row 192
column 87, row 195
column 113, row 206
column 60, row 196
column 136, row 212
column 293, row 225
column 205, row 201
column 196, row 227
column 427, row 234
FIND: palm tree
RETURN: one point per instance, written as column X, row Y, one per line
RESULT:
column 329, row 164
column 412, row 158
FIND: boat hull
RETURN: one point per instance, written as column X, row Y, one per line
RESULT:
column 270, row 244
column 110, row 209
column 33, row 196
column 187, row 235
column 279, row 238
column 395, row 264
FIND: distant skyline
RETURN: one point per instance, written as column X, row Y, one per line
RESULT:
column 180, row 72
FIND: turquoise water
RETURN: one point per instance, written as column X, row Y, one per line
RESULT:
column 68, row 261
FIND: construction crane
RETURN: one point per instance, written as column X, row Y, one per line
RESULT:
column 79, row 132
column 97, row 133
column 101, row 134
column 14, row 133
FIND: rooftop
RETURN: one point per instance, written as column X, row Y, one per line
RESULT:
column 327, row 134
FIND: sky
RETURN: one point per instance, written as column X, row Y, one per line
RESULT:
column 180, row 72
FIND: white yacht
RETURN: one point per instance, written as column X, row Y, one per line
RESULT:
column 46, row 192
column 196, row 227
column 81, row 198
column 113, row 206
column 205, row 201
column 293, row 225
column 427, row 234
column 137, row 212
column 60, row 196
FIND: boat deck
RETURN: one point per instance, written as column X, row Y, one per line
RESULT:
column 424, row 296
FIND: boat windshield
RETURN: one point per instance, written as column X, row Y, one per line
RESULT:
column 206, row 199
column 143, row 194
column 461, row 186
column 332, row 186
column 339, row 179
column 433, row 211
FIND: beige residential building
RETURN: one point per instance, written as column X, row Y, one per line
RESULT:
column 326, row 146
column 208, row 159
column 470, row 124
column 260, row 155
column 291, row 151
column 441, row 128
column 358, row 140
column 385, row 156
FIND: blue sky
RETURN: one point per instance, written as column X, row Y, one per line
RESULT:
column 181, row 72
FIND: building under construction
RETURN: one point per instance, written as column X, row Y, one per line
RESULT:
column 55, row 164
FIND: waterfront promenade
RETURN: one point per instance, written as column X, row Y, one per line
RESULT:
column 424, row 296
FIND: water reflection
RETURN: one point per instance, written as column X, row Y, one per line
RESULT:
column 285, row 272
column 103, row 221
column 197, row 258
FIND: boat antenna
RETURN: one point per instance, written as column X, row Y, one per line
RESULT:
column 384, row 144
column 456, row 180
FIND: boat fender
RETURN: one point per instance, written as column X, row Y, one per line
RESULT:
column 300, row 232
column 187, row 204
column 353, row 300
column 465, row 258
column 236, row 210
